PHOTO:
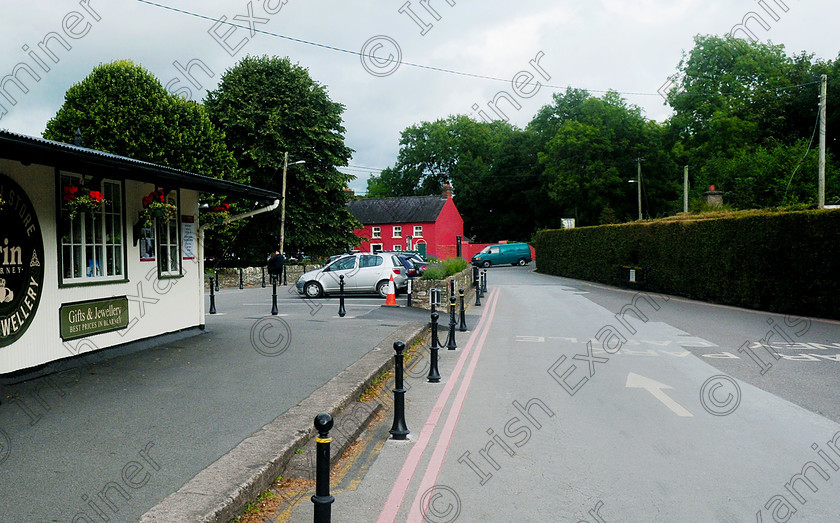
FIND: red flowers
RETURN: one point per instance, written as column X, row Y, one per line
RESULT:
column 221, row 208
column 96, row 195
column 70, row 192
column 154, row 196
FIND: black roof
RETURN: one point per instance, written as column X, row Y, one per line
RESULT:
column 408, row 209
column 29, row 149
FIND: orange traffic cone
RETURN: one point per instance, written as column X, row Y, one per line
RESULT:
column 391, row 300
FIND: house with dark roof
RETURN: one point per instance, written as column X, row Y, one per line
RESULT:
column 429, row 224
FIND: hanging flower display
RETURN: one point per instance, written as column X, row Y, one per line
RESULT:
column 78, row 199
column 217, row 214
column 155, row 207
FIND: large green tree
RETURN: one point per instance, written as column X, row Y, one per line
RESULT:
column 121, row 108
column 268, row 106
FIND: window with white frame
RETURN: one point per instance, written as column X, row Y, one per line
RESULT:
column 397, row 247
column 418, row 231
column 169, row 240
column 376, row 232
column 92, row 230
column 397, row 231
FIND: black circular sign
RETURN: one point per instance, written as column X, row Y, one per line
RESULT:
column 21, row 261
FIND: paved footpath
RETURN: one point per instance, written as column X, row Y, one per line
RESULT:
column 532, row 424
column 110, row 440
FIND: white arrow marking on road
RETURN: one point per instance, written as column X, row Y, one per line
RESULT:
column 634, row 381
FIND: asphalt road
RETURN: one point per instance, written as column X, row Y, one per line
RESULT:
column 115, row 437
column 556, row 410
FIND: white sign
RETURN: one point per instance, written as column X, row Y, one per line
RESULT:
column 568, row 223
column 188, row 236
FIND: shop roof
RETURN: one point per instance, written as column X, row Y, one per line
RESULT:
column 29, row 149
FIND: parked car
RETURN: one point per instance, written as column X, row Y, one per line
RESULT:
column 363, row 273
column 413, row 262
column 503, row 253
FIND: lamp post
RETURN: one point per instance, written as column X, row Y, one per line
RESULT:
column 640, row 195
column 283, row 202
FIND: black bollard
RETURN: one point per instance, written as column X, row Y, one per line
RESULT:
column 241, row 283
column 212, row 298
column 484, row 282
column 434, row 373
column 263, row 277
column 408, row 294
column 477, row 293
column 274, row 310
column 463, row 326
column 399, row 430
column 341, row 311
column 451, row 288
column 216, row 277
column 285, row 282
column 322, row 499
column 450, row 341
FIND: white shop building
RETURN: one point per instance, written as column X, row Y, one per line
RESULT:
column 86, row 263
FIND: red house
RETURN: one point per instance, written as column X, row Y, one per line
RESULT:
column 429, row 224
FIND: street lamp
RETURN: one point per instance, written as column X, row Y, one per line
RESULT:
column 283, row 204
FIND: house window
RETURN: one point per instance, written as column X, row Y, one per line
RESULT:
column 397, row 247
column 169, row 240
column 418, row 231
column 92, row 231
column 376, row 232
column 397, row 231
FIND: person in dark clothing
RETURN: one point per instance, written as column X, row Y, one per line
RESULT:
column 275, row 264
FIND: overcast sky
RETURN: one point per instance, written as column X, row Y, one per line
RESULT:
column 629, row 46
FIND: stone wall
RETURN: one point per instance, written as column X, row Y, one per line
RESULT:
column 420, row 288
column 252, row 276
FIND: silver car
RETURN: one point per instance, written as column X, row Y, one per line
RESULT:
column 363, row 273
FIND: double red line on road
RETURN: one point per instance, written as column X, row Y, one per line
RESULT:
column 400, row 489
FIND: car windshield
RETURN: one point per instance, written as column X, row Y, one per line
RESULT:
column 485, row 250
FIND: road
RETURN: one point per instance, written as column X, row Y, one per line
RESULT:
column 556, row 409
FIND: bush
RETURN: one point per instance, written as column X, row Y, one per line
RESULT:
column 439, row 271
column 780, row 262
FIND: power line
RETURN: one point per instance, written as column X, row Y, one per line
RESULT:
column 422, row 66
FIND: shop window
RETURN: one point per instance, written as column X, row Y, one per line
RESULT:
column 169, row 239
column 92, row 231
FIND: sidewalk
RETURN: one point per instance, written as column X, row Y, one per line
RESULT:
column 115, row 437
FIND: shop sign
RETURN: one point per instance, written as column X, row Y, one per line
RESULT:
column 87, row 318
column 21, row 258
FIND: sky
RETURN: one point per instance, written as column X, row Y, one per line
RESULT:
column 392, row 64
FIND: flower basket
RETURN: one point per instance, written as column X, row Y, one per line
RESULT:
column 218, row 215
column 78, row 199
column 156, row 208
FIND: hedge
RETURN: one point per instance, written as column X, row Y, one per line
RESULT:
column 780, row 262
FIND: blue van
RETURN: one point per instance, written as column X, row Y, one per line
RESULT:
column 503, row 253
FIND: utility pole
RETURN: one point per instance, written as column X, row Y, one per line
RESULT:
column 639, row 184
column 823, row 114
column 685, row 189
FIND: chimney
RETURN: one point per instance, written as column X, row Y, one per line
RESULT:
column 447, row 192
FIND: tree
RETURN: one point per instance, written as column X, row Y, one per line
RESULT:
column 121, row 108
column 268, row 106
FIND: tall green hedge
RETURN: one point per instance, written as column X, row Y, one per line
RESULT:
column 780, row 262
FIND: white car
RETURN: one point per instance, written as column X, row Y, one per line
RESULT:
column 363, row 273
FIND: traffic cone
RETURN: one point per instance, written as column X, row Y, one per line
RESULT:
column 391, row 300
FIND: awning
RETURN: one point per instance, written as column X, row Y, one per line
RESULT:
column 29, row 150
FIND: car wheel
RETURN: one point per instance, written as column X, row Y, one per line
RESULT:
column 485, row 263
column 313, row 290
column 382, row 288
column 523, row 262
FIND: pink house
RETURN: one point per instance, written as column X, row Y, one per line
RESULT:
column 429, row 224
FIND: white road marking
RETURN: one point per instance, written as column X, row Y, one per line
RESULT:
column 634, row 381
